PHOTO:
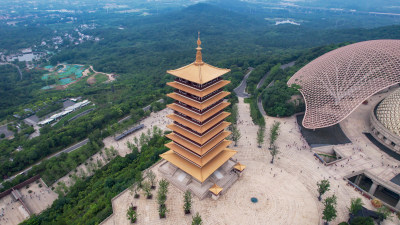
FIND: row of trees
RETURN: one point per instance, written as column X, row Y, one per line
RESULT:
column 147, row 186
column 89, row 200
column 330, row 213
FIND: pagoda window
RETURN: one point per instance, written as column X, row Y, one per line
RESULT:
column 195, row 97
column 196, row 85
column 196, row 109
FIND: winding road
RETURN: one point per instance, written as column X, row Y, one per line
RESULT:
column 19, row 70
column 241, row 89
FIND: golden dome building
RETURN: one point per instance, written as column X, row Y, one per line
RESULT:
column 385, row 121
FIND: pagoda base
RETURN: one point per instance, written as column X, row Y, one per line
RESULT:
column 224, row 177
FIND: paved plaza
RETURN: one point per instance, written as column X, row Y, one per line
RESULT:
column 36, row 198
column 286, row 190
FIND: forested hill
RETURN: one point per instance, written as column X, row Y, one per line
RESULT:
column 146, row 47
column 168, row 41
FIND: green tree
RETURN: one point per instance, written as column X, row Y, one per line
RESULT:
column 131, row 214
column 139, row 178
column 329, row 212
column 274, row 133
column 187, row 201
column 384, row 213
column 235, row 134
column 359, row 220
column 162, row 191
column 152, row 178
column 146, row 186
column 323, row 186
column 273, row 151
column 161, row 197
column 234, row 114
column 260, row 136
column 162, row 211
column 355, row 205
column 2, row 135
column 136, row 142
column 164, row 185
column 134, row 189
column 196, row 220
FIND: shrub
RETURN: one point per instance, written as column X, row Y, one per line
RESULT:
column 187, row 199
column 362, row 221
column 131, row 214
column 356, row 205
column 197, row 219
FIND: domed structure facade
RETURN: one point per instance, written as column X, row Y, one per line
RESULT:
column 336, row 83
column 385, row 121
column 388, row 112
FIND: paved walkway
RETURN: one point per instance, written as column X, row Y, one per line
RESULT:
column 283, row 199
column 286, row 190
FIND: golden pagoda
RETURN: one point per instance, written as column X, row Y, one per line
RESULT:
column 198, row 145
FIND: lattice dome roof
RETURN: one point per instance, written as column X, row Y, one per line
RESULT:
column 334, row 84
column 388, row 112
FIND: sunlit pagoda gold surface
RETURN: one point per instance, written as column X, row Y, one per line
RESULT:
column 215, row 189
column 239, row 167
column 198, row 144
column 197, row 104
column 201, row 174
column 200, row 139
column 201, row 73
column 200, row 93
column 197, row 116
column 199, row 160
column 196, row 127
column 199, row 150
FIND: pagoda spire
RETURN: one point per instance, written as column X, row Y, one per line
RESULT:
column 199, row 58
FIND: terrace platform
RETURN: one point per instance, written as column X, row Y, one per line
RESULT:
column 223, row 177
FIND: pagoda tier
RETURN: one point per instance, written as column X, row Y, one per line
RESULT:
column 198, row 144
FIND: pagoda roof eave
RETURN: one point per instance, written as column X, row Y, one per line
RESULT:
column 201, row 174
column 199, row 73
column 215, row 189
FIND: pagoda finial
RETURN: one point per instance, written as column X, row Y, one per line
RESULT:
column 199, row 58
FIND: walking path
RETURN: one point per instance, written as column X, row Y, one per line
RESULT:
column 241, row 89
column 16, row 66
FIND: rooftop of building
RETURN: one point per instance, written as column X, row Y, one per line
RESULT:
column 388, row 112
column 199, row 71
